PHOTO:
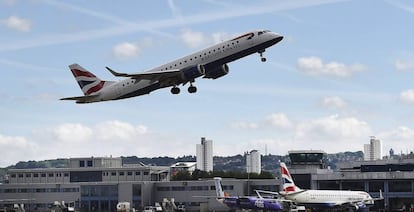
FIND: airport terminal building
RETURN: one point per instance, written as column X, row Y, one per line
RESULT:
column 98, row 184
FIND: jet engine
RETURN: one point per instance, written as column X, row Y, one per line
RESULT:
column 217, row 72
column 356, row 207
column 192, row 72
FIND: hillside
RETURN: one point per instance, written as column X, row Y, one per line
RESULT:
column 226, row 164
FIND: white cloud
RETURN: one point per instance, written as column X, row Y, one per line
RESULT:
column 279, row 120
column 72, row 133
column 315, row 66
column 195, row 39
column 118, row 138
column 15, row 148
column 333, row 133
column 153, row 25
column 273, row 146
column 218, row 37
column 333, row 102
column 126, row 50
column 244, row 125
column 401, row 133
column 404, row 65
column 16, row 23
column 334, row 126
column 400, row 139
column 407, row 96
column 114, row 137
column 131, row 50
column 117, row 130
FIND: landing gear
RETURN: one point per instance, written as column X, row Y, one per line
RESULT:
column 192, row 89
column 262, row 58
column 175, row 90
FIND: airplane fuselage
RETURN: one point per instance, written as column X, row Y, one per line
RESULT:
column 209, row 63
column 330, row 198
column 252, row 203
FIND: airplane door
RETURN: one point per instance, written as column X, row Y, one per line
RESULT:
column 251, row 38
column 118, row 89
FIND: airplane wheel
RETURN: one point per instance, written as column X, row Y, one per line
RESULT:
column 263, row 59
column 175, row 90
column 192, row 89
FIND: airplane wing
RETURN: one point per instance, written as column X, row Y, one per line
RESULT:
column 259, row 192
column 80, row 98
column 150, row 75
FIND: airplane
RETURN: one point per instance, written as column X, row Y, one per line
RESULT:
column 324, row 198
column 211, row 63
column 246, row 202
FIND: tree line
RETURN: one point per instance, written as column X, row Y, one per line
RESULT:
column 198, row 174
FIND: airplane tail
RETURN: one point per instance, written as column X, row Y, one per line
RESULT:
column 88, row 82
column 219, row 187
column 287, row 180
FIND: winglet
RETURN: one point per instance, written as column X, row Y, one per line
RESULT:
column 117, row 74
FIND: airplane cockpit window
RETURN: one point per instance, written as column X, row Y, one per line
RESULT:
column 262, row 32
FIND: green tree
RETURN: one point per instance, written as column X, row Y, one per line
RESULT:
column 182, row 175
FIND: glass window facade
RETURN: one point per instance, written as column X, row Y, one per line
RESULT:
column 399, row 186
column 86, row 176
column 99, row 198
column 353, row 185
column 329, row 185
column 376, row 186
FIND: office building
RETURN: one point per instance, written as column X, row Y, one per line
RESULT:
column 253, row 162
column 98, row 184
column 394, row 178
column 373, row 150
column 204, row 155
column 90, row 184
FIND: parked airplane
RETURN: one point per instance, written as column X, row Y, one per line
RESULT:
column 324, row 198
column 211, row 63
column 246, row 202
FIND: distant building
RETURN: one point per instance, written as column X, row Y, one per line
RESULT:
column 90, row 184
column 253, row 162
column 205, row 155
column 373, row 150
column 182, row 166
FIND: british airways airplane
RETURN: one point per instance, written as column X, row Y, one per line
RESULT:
column 324, row 198
column 247, row 202
column 210, row 63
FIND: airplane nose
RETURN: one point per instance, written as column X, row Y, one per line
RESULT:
column 276, row 37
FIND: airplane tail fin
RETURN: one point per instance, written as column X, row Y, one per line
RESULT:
column 88, row 82
column 219, row 187
column 287, row 180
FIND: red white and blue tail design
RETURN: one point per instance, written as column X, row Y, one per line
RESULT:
column 88, row 82
column 287, row 180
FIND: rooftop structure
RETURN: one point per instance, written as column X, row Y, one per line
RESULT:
column 307, row 158
column 183, row 166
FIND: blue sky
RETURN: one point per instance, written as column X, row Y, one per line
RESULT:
column 343, row 73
